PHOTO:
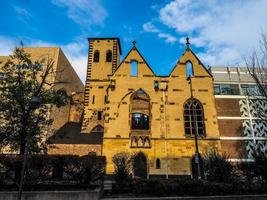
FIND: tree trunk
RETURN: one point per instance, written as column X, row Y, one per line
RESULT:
column 22, row 145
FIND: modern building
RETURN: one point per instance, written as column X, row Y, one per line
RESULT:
column 64, row 74
column 238, row 104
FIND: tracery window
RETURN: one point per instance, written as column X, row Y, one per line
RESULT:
column 194, row 118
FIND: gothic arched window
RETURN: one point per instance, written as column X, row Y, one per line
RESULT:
column 108, row 56
column 96, row 56
column 140, row 110
column 194, row 118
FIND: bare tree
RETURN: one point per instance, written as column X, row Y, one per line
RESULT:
column 257, row 67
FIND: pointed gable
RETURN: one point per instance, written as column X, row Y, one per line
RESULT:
column 143, row 69
column 198, row 68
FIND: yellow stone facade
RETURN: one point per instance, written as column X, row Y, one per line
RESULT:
column 108, row 96
column 99, row 118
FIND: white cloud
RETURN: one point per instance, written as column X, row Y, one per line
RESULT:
column 168, row 38
column 76, row 51
column 150, row 27
column 7, row 44
column 84, row 12
column 227, row 30
column 77, row 54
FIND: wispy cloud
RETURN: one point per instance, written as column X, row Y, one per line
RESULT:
column 75, row 51
column 150, row 27
column 22, row 13
column 84, row 12
column 226, row 30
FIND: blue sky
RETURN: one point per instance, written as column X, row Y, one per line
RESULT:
column 221, row 31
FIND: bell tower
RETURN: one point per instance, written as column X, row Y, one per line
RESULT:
column 103, row 59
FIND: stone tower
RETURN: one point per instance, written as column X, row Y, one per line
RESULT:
column 103, row 59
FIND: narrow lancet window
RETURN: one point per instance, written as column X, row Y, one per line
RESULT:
column 108, row 56
column 189, row 70
column 134, row 68
column 96, row 56
column 158, row 163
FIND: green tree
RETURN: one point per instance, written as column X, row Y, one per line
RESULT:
column 24, row 86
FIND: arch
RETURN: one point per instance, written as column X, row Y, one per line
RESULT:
column 134, row 68
column 194, row 118
column 140, row 142
column 96, row 56
column 134, row 142
column 141, row 95
column 97, row 129
column 140, row 110
column 189, row 69
column 146, row 142
column 158, row 163
column 140, row 165
column 109, row 56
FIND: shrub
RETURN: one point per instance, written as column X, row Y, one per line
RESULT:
column 123, row 167
column 217, row 167
column 260, row 164
column 47, row 170
column 246, row 171
column 255, row 171
column 191, row 187
column 85, row 169
column 188, row 187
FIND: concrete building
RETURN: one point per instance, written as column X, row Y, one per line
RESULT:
column 238, row 102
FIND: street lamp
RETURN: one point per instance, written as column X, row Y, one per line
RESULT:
column 196, row 156
column 33, row 104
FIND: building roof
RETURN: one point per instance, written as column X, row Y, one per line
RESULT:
column 231, row 74
column 70, row 133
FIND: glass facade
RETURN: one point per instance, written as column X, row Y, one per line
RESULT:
column 250, row 90
column 233, row 89
column 226, row 89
